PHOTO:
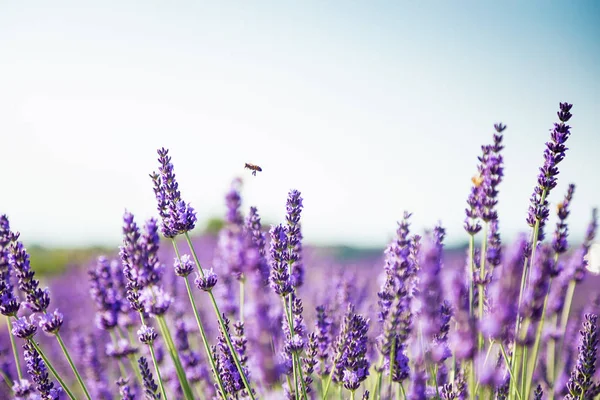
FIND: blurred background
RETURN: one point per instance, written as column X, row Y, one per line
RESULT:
column 367, row 108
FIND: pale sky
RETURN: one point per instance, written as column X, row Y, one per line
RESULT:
column 367, row 108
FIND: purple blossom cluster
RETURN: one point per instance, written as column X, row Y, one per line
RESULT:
column 253, row 312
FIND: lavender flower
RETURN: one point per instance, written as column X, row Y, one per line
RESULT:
column 324, row 340
column 24, row 328
column 499, row 323
column 352, row 366
column 553, row 155
column 105, row 294
column 126, row 391
column 22, row 389
column 38, row 299
column 280, row 278
column 184, row 267
column 94, row 370
column 559, row 241
column 206, row 282
column 150, row 387
column 581, row 378
column 538, row 393
column 254, row 229
column 51, row 322
column 9, row 303
column 147, row 334
column 294, row 234
column 177, row 216
column 39, row 373
column 155, row 300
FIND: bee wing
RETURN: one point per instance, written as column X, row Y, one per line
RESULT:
column 593, row 258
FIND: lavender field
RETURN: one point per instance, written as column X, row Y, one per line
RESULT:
column 252, row 313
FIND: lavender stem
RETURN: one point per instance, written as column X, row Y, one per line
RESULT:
column 236, row 358
column 73, row 367
column 14, row 348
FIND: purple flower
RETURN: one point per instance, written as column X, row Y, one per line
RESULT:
column 206, row 282
column 543, row 269
column 254, row 229
column 150, row 387
column 581, row 377
column 24, row 328
column 39, row 373
column 22, row 389
column 553, row 155
column 9, row 303
column 38, row 300
column 184, row 267
column 559, row 241
column 105, row 294
column 280, row 278
column 155, row 300
column 125, row 390
column 177, row 216
column 225, row 364
column 352, row 366
column 499, row 322
column 147, row 334
column 51, row 322
column 120, row 349
column 324, row 340
column 294, row 235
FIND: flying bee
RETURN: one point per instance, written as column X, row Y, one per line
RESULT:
column 253, row 167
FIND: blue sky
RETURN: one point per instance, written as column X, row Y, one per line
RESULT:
column 367, row 108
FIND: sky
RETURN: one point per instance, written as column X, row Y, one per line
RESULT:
column 368, row 108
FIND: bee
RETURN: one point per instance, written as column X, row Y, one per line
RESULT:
column 253, row 167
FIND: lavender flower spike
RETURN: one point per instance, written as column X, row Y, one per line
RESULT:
column 294, row 208
column 581, row 378
column 559, row 241
column 150, row 387
column 39, row 373
column 553, row 155
column 177, row 216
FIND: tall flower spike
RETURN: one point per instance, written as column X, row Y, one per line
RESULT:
column 9, row 303
column 177, row 216
column 581, row 378
column 39, row 373
column 150, row 387
column 294, row 234
column 553, row 155
column 280, row 278
column 559, row 241
column 38, row 299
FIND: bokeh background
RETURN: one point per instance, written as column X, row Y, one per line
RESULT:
column 367, row 108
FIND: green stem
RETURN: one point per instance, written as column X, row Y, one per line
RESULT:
column 202, row 330
column 392, row 359
column 64, row 349
column 481, row 277
column 236, row 358
column 352, row 394
column 242, row 284
column 13, row 344
column 507, row 362
column 160, row 382
column 51, row 368
column 205, row 339
column 185, row 386
column 6, row 379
